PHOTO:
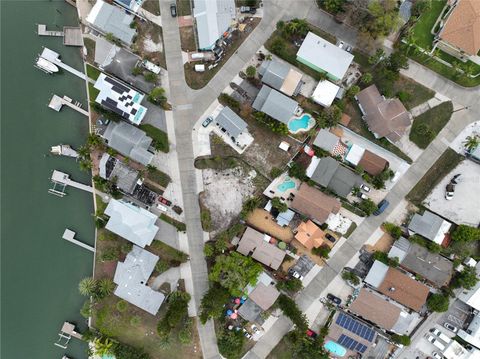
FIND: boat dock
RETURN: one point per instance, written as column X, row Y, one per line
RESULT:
column 66, row 333
column 64, row 150
column 56, row 103
column 69, row 235
column 61, row 180
column 54, row 58
column 72, row 36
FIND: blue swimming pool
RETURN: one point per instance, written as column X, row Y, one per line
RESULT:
column 301, row 124
column 335, row 348
column 286, row 185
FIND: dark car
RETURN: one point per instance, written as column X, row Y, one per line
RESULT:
column 247, row 9
column 330, row 237
column 173, row 10
column 334, row 299
column 382, row 206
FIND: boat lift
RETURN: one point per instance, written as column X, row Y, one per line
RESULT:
column 66, row 333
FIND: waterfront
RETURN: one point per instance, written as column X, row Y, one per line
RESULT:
column 40, row 271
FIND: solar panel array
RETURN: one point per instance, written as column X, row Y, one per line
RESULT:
column 351, row 344
column 355, row 326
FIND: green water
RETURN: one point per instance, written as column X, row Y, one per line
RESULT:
column 39, row 270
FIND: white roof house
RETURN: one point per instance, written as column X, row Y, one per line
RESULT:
column 212, row 18
column 133, row 223
column 323, row 56
column 119, row 98
column 377, row 274
column 107, row 19
column 355, row 154
column 131, row 277
column 325, row 93
column 430, row 226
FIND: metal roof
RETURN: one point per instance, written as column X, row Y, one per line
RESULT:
column 325, row 93
column 212, row 18
column 275, row 104
column 376, row 274
column 427, row 225
column 326, row 140
column 273, row 73
column 231, row 122
column 250, row 311
column 124, row 176
column 331, row 174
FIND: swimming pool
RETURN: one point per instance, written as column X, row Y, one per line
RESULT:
column 301, row 124
column 286, row 185
column 335, row 348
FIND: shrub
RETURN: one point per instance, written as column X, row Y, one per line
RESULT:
column 438, row 303
column 206, row 220
column 137, row 71
column 322, row 251
column 279, row 205
column 251, row 71
column 212, row 303
column 150, row 77
column 290, row 285
column 405, row 97
column 464, row 233
column 208, row 250
column 384, row 258
column 122, row 305
column 229, row 101
column 161, row 266
column 392, row 229
column 350, row 277
column 367, row 206
column 291, row 310
column 275, row 172
column 401, row 339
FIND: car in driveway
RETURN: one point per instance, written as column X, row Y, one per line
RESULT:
column 247, row 10
column 173, row 10
column 364, row 188
column 330, row 238
column 449, row 191
column 436, row 355
column 207, row 121
column 382, row 206
column 451, row 327
column 334, row 299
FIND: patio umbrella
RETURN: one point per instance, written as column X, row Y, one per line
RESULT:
column 229, row 312
column 234, row 316
column 237, row 300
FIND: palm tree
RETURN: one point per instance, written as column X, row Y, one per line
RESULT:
column 471, row 142
column 105, row 287
column 94, row 140
column 103, row 348
column 84, row 152
column 88, row 286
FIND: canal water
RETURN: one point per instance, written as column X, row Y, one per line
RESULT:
column 39, row 270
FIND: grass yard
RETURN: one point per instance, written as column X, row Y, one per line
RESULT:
column 418, row 93
column 93, row 72
column 159, row 137
column 100, row 204
column 183, row 8
column 152, row 6
column 187, row 38
column 445, row 163
column 157, row 176
column 92, row 92
column 90, row 46
column 427, row 126
column 180, row 226
column 281, row 351
column 422, row 29
column 169, row 254
column 465, row 66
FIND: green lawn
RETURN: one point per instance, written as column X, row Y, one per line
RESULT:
column 418, row 93
column 100, row 204
column 181, row 227
column 422, row 29
column 183, row 7
column 159, row 137
column 427, row 126
column 444, row 165
column 93, row 72
column 465, row 66
column 92, row 92
column 152, row 6
column 159, row 177
column 168, row 253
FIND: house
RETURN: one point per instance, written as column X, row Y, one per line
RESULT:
column 314, row 204
column 309, row 235
column 129, row 141
column 119, row 98
column 264, row 295
column 132, row 5
column 280, row 76
column 133, row 223
column 212, row 18
column 258, row 246
column 419, row 260
column 460, row 35
column 352, row 334
column 471, row 297
column 275, row 104
column 372, row 163
column 323, row 56
column 378, row 310
column 131, row 277
column 234, row 126
column 109, row 19
column 331, row 174
column 326, row 140
column 430, row 226
column 354, row 154
column 325, row 93
column 384, row 117
column 397, row 286
column 472, row 334
column 124, row 177
column 454, row 350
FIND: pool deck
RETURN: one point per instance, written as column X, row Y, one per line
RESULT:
column 273, row 191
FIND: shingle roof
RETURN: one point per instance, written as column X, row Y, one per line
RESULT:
column 372, row 163
column 427, row 225
column 326, row 140
column 385, row 117
column 462, row 28
column 250, row 310
column 124, row 176
column 111, row 19
column 331, row 174
column 273, row 73
column 275, row 104
column 264, row 295
column 231, row 122
column 131, row 277
column 404, row 289
column 313, row 203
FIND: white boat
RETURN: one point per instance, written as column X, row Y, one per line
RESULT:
column 64, row 150
column 46, row 65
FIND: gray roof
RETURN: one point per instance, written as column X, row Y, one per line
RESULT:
column 426, row 225
column 129, row 141
column 111, row 19
column 250, row 310
column 376, row 274
column 273, row 73
column 275, row 104
column 131, row 278
column 103, row 50
column 212, row 18
column 326, row 140
column 431, row 266
column 405, row 10
column 400, row 249
column 113, row 169
column 336, row 177
column 231, row 122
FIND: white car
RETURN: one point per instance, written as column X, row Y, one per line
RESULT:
column 451, row 327
column 297, row 275
column 435, row 331
column 161, row 207
column 255, row 329
column 436, row 355
column 364, row 188
column 341, row 44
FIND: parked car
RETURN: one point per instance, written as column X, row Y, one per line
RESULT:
column 246, row 334
column 247, row 10
column 161, row 208
column 341, row 44
column 436, row 355
column 449, row 191
column 454, row 179
column 255, row 329
column 431, row 338
column 207, row 121
column 435, row 331
column 297, row 275
column 173, row 10
column 334, row 299
column 329, row 237
column 451, row 327
column 382, row 206
column 362, row 195
column 164, row 201
column 349, row 48
column 364, row 188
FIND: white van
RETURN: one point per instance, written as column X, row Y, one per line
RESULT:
column 444, row 338
column 439, row 345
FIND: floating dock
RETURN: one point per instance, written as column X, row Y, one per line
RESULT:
column 64, row 150
column 72, row 36
column 61, row 180
column 56, row 103
column 54, row 58
column 69, row 235
column 66, row 333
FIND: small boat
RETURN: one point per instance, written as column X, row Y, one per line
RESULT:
column 64, row 150
column 46, row 66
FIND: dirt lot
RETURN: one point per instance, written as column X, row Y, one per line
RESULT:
column 149, row 43
column 264, row 222
column 384, row 244
column 187, row 38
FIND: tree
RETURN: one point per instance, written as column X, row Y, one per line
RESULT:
column 86, row 310
column 392, row 229
column 322, row 251
column 230, row 343
column 234, row 272
column 103, row 347
column 292, row 285
column 401, row 339
column 251, row 71
column 421, row 6
column 291, row 310
column 377, row 57
column 277, row 46
column 381, row 19
column 330, row 116
column 157, row 96
column 249, row 205
column 88, row 287
column 275, row 172
column 333, row 6
column 304, row 347
column 464, row 233
column 212, row 303
column 352, row 91
column 471, row 142
column 279, row 205
column 185, row 334
column 438, row 303
column 467, row 278
column 105, row 287
column 350, row 277
column 137, row 71
column 366, row 78
column 296, row 170
column 208, row 250
column 367, row 206
column 177, row 311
